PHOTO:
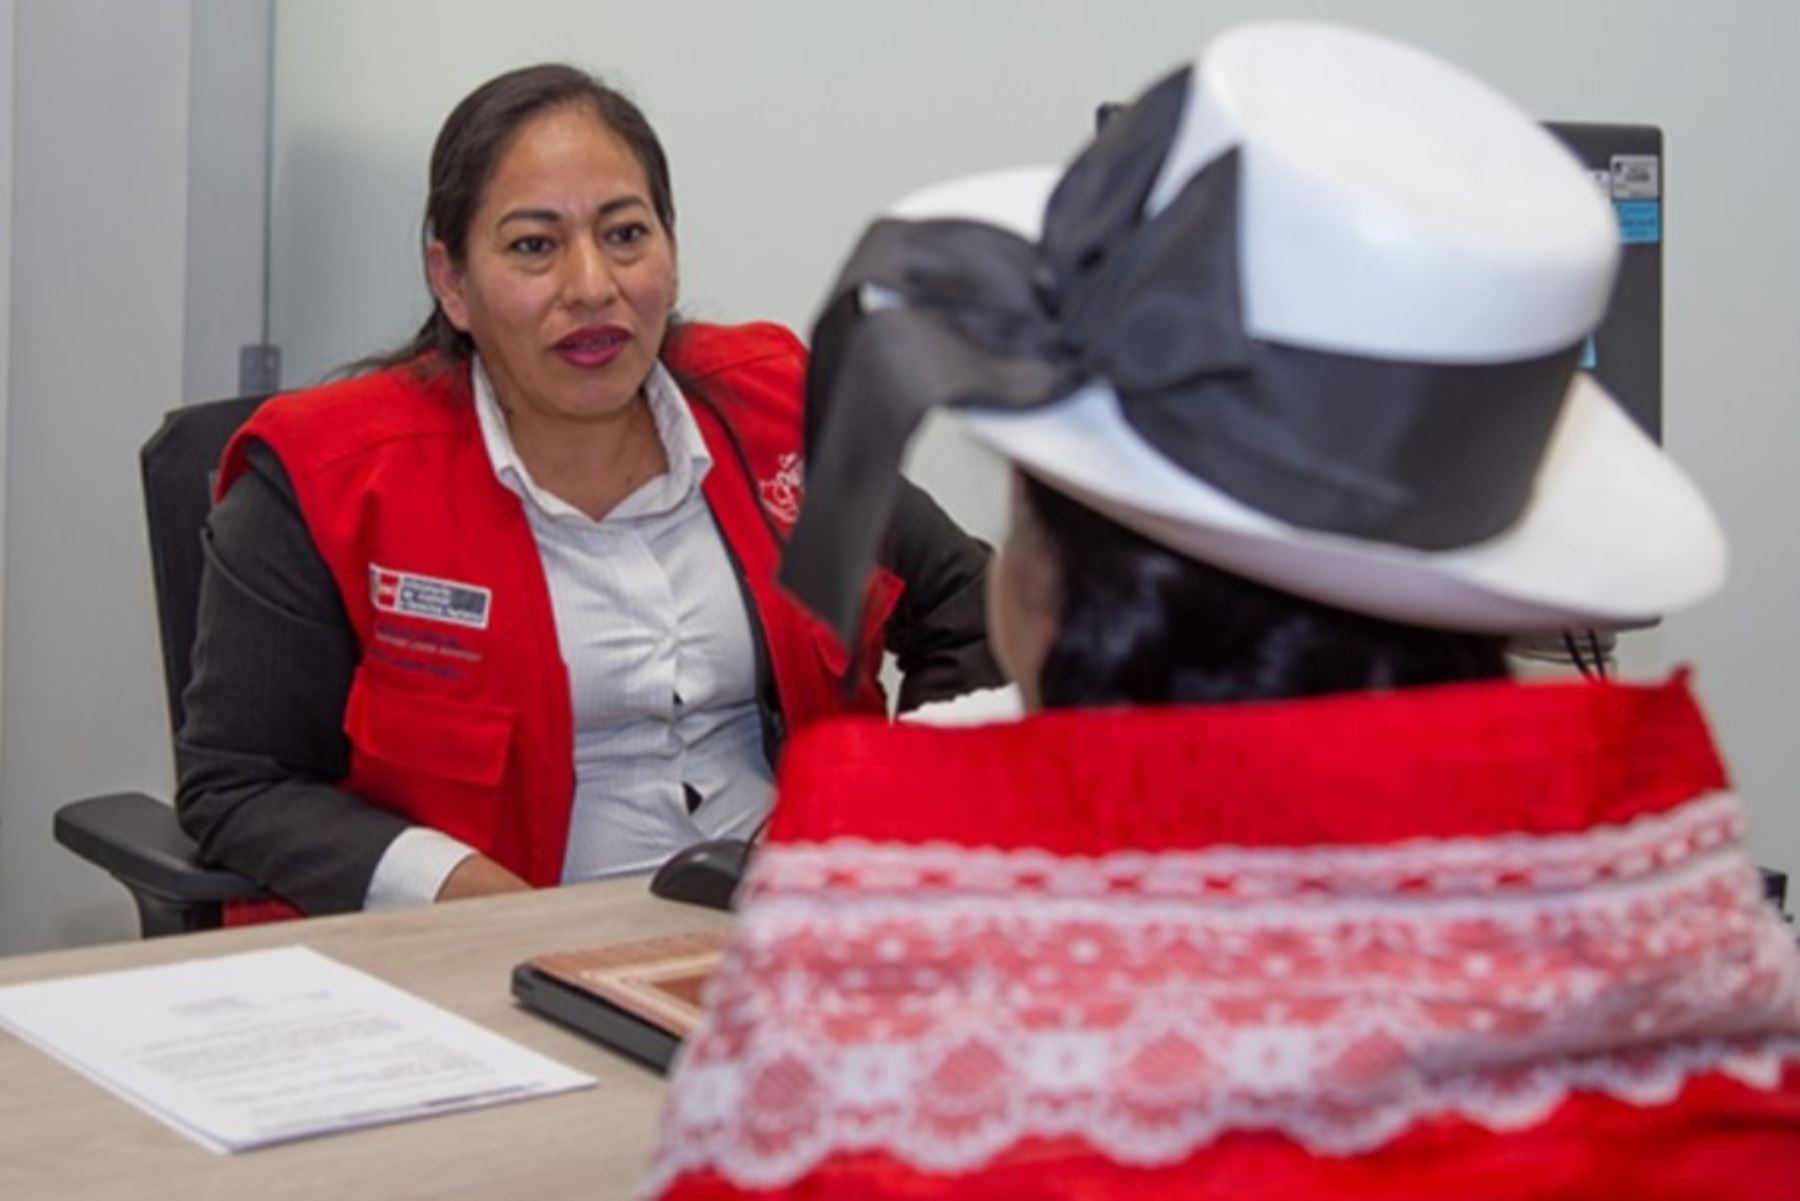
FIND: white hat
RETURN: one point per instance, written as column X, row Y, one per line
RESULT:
column 1393, row 422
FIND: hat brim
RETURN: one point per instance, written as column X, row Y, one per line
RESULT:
column 1615, row 534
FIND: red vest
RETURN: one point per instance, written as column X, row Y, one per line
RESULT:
column 459, row 712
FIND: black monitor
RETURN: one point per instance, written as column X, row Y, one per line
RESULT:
column 1625, row 353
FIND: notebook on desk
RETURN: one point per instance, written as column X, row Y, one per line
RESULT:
column 639, row 998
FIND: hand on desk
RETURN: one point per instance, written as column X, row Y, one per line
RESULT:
column 479, row 876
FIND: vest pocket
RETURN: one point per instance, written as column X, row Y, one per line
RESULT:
column 429, row 734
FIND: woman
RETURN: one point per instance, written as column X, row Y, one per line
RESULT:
column 1283, row 889
column 500, row 612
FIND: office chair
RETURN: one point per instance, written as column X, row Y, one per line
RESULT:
column 133, row 836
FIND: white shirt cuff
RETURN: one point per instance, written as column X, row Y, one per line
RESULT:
column 415, row 866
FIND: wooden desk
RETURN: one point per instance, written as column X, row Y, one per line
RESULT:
column 63, row 1137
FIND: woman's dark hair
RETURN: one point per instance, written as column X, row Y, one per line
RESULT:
column 1142, row 624
column 467, row 152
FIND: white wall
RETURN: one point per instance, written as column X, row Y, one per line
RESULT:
column 8, row 14
column 789, row 122
column 228, row 179
column 98, row 125
column 100, row 139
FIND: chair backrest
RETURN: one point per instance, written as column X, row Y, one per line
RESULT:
column 179, row 462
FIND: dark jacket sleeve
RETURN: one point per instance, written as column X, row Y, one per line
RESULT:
column 938, row 632
column 262, row 740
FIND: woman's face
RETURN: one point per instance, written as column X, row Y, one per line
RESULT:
column 1023, row 598
column 569, row 275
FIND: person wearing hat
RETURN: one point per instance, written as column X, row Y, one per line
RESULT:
column 1283, row 889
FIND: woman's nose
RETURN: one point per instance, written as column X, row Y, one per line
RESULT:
column 588, row 274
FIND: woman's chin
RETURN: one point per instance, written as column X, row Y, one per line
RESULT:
column 585, row 406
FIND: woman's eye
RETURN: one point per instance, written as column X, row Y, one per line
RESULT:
column 629, row 234
column 530, row 244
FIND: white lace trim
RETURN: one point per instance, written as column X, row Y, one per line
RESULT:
column 1511, row 864
column 943, row 1004
column 771, row 1145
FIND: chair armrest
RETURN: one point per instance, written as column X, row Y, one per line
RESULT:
column 136, row 838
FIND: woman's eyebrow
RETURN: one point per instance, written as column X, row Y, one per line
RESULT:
column 551, row 215
column 623, row 202
column 529, row 215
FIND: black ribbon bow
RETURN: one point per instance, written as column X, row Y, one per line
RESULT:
column 948, row 312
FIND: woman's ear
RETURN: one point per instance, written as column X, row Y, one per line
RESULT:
column 446, row 284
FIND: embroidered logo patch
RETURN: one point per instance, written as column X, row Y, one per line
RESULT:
column 781, row 492
column 422, row 596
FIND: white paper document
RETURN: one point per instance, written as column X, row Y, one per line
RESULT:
column 269, row 1046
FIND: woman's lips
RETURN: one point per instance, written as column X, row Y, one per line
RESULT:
column 595, row 346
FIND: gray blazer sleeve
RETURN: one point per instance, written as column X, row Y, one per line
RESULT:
column 262, row 741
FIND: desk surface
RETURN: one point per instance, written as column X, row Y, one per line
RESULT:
column 62, row 1137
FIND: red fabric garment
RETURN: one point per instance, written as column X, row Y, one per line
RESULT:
column 1488, row 941
column 1463, row 760
column 459, row 713
column 1718, row 1141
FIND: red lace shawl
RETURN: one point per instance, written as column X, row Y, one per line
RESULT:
column 1493, row 941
